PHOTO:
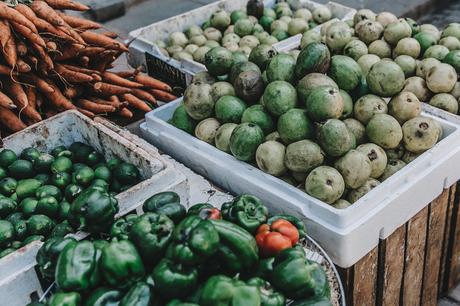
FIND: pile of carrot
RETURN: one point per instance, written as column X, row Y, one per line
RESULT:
column 51, row 62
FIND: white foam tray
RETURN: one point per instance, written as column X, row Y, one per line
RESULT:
column 106, row 138
column 143, row 38
column 348, row 234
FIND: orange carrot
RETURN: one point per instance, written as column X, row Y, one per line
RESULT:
column 109, row 89
column 112, row 78
column 5, row 32
column 80, row 23
column 136, row 103
column 10, row 120
column 96, row 77
column 4, row 70
column 162, row 95
column 67, row 5
column 49, row 64
column 69, row 52
column 101, row 62
column 110, row 34
column 95, row 107
column 21, row 48
column 18, row 95
column 14, row 16
column 72, row 76
column 51, row 46
column 5, row 101
column 44, row 11
column 103, row 41
column 72, row 92
column 41, row 84
column 115, row 103
column 144, row 95
column 125, row 74
column 58, row 99
column 148, row 81
column 31, row 96
column 91, row 51
column 32, row 61
column 86, row 112
column 39, row 100
column 126, row 113
column 23, row 67
column 28, row 34
column 84, row 61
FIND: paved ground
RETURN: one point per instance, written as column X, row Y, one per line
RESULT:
column 149, row 11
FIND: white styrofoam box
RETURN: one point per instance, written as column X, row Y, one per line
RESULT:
column 71, row 126
column 347, row 234
column 437, row 112
column 144, row 37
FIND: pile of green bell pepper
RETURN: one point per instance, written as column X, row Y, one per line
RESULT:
column 174, row 257
column 44, row 195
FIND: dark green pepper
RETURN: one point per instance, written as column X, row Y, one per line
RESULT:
column 121, row 264
column 33, row 238
column 6, row 252
column 179, row 303
column 44, row 178
column 104, row 297
column 20, row 228
column 76, row 268
column 16, row 244
column 7, row 233
column 94, row 158
column 140, row 294
column 39, row 225
column 83, row 176
column 121, row 228
column 297, row 277
column 193, row 241
column 28, row 206
column 65, row 299
column 55, row 152
column 48, row 191
column 7, row 206
column 264, row 268
column 72, row 191
column 30, row 154
column 205, row 211
column 294, row 220
column 167, row 203
column 48, row 206
column 102, row 172
column 27, row 188
column 126, row 174
column 113, row 163
column 61, row 229
column 15, row 217
column 317, row 301
column 93, row 210
column 268, row 296
column 238, row 248
column 220, row 290
column 8, row 186
column 61, row 179
column 174, row 280
column 48, row 254
column 43, row 163
column 64, row 209
column 247, row 211
column 151, row 233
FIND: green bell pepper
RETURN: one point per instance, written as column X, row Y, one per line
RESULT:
column 297, row 277
column 15, row 217
column 7, row 206
column 48, row 191
column 65, row 299
column 193, row 241
column 72, row 191
column 179, row 303
column 104, row 297
column 6, row 252
column 64, row 209
column 28, row 206
column 121, row 264
column 167, row 203
column 205, row 211
column 151, row 233
column 48, row 254
column 238, row 248
column 220, row 290
column 20, row 228
column 294, row 220
column 122, row 227
column 8, row 186
column 318, row 301
column 61, row 229
column 268, row 296
column 47, row 206
column 247, row 211
column 76, row 268
column 174, row 280
column 33, row 238
column 140, row 294
column 264, row 268
column 93, row 210
column 39, row 225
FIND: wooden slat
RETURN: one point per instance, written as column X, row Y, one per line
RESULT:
column 346, row 276
column 414, row 258
column 433, row 252
column 365, row 280
column 390, row 274
column 447, row 244
column 454, row 269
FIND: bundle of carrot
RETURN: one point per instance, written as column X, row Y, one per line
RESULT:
column 51, row 62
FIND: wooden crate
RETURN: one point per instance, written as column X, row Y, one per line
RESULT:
column 416, row 265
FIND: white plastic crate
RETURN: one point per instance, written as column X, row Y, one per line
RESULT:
column 71, row 126
column 143, row 51
column 348, row 234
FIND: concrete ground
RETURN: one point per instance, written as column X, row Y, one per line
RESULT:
column 150, row 11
